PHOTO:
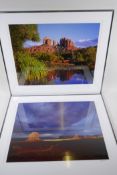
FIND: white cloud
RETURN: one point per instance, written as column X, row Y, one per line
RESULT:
column 30, row 43
column 84, row 40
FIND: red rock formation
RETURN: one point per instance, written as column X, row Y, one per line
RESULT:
column 50, row 46
column 47, row 41
column 67, row 43
column 54, row 43
column 42, row 48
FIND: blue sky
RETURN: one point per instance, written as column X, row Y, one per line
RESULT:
column 78, row 33
column 56, row 119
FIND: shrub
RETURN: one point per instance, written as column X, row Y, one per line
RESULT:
column 29, row 66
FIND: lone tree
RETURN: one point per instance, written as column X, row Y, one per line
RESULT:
column 34, row 137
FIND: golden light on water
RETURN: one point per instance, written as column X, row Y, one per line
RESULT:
column 67, row 158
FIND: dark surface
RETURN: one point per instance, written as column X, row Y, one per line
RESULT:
column 83, row 149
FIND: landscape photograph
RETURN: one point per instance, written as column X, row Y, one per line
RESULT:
column 55, row 54
column 56, row 131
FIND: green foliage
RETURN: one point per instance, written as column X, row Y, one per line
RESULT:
column 79, row 57
column 87, row 56
column 91, row 54
column 67, row 55
column 20, row 33
column 45, row 57
column 31, row 68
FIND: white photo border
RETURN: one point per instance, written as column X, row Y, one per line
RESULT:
column 102, row 17
column 49, row 168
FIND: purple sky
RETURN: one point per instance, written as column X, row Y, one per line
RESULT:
column 56, row 119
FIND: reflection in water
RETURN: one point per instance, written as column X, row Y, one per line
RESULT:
column 67, row 77
column 67, row 158
column 62, row 75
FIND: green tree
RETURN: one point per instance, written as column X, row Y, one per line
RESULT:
column 26, row 65
column 90, row 54
column 79, row 56
column 21, row 33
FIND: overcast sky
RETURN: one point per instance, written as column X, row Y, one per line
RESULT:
column 56, row 119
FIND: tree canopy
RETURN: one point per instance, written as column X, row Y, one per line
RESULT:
column 21, row 33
